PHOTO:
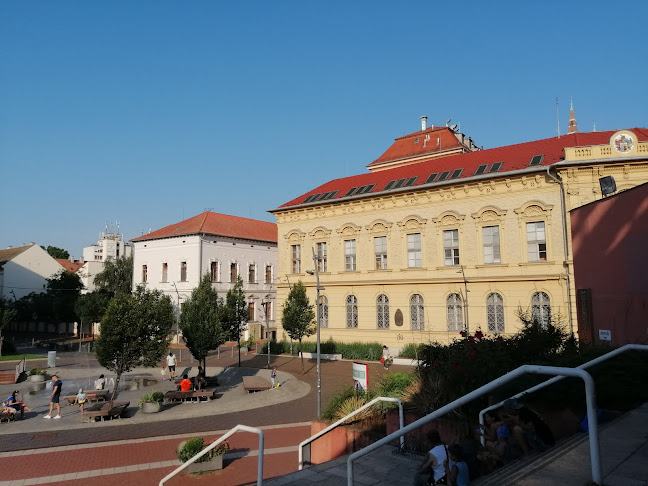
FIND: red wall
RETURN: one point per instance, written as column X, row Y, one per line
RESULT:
column 610, row 248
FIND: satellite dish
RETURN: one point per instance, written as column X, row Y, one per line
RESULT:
column 454, row 128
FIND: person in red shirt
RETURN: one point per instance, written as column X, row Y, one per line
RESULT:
column 185, row 384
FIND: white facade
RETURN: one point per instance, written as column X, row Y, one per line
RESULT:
column 26, row 271
column 176, row 264
column 87, row 274
column 109, row 247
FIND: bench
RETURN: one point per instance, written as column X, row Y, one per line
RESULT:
column 255, row 383
column 183, row 396
column 105, row 410
column 92, row 396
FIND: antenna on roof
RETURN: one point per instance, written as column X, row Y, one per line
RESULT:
column 557, row 117
column 448, row 122
column 594, row 128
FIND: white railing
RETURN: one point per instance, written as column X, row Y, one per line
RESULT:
column 244, row 428
column 401, row 423
column 516, row 373
column 611, row 354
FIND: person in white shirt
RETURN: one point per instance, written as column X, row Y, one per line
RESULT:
column 171, row 363
column 100, row 383
column 434, row 462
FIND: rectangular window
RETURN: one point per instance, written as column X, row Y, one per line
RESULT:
column 296, row 258
column 451, row 247
column 380, row 249
column 183, row 271
column 536, row 242
column 165, row 271
column 251, row 311
column 491, row 238
column 414, row 255
column 213, row 271
column 322, row 263
column 233, row 272
column 252, row 273
column 268, row 273
column 350, row 255
column 144, row 273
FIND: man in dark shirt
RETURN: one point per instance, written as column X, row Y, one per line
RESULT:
column 57, row 385
column 528, row 428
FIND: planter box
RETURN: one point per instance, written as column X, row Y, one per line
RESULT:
column 150, row 407
column 215, row 463
column 330, row 357
column 338, row 442
column 37, row 378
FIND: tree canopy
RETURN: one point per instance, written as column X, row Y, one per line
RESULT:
column 56, row 252
column 91, row 307
column 235, row 313
column 63, row 290
column 116, row 277
column 135, row 331
column 298, row 316
column 200, row 320
column 7, row 315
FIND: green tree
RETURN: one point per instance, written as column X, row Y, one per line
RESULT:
column 116, row 277
column 7, row 315
column 200, row 321
column 235, row 313
column 298, row 317
column 135, row 331
column 91, row 307
column 63, row 290
column 56, row 252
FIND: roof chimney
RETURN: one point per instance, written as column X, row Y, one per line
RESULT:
column 423, row 123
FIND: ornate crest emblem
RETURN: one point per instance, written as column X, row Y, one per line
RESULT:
column 623, row 143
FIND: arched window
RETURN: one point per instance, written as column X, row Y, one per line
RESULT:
column 382, row 311
column 323, row 311
column 417, row 316
column 495, row 312
column 351, row 311
column 541, row 308
column 455, row 316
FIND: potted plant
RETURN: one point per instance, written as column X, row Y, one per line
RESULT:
column 211, row 461
column 37, row 375
column 150, row 402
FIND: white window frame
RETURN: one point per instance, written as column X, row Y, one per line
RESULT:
column 351, row 312
column 491, row 244
column 214, row 271
column 321, row 252
column 541, row 308
column 350, row 263
column 414, row 253
column 454, row 312
column 495, row 313
column 382, row 312
column 323, row 310
column 295, row 253
column 252, row 269
column 165, row 272
column 380, row 251
column 451, row 247
column 536, row 233
column 417, row 312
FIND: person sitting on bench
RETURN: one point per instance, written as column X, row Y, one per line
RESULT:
column 185, row 384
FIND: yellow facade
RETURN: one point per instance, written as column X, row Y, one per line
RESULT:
column 514, row 203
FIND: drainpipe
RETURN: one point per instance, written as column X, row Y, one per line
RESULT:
column 565, row 247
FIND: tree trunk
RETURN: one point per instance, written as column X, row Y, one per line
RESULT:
column 1, row 341
column 239, row 349
column 301, row 352
column 112, row 397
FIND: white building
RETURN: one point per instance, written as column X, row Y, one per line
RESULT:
column 85, row 270
column 109, row 247
column 25, row 269
column 174, row 259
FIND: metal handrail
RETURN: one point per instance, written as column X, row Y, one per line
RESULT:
column 401, row 422
column 595, row 361
column 544, row 370
column 244, row 428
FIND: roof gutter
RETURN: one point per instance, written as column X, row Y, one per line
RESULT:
column 563, row 214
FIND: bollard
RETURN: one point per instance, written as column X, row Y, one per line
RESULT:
column 51, row 359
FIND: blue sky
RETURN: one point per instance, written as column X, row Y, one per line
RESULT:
column 148, row 112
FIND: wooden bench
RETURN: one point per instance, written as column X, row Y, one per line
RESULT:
column 105, row 410
column 255, row 383
column 92, row 396
column 183, row 396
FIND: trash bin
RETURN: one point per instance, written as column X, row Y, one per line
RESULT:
column 51, row 359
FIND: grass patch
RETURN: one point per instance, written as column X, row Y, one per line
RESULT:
column 18, row 357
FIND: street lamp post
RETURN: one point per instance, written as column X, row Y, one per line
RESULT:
column 466, row 306
column 266, row 303
column 319, row 366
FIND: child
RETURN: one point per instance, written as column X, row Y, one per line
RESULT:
column 457, row 474
column 273, row 377
column 81, row 399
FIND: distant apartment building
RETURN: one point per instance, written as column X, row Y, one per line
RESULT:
column 174, row 259
column 109, row 247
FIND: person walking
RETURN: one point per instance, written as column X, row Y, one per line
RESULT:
column 273, row 377
column 55, row 397
column 171, row 364
column 81, row 398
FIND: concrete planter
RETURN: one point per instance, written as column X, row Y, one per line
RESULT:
column 37, row 378
column 215, row 463
column 151, row 407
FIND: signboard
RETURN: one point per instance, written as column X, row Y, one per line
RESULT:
column 605, row 335
column 360, row 376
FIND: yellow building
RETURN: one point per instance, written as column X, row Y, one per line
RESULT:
column 440, row 236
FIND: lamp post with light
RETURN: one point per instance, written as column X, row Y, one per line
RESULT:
column 315, row 272
column 466, row 306
column 266, row 307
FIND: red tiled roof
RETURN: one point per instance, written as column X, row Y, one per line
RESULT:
column 218, row 225
column 11, row 253
column 69, row 265
column 415, row 145
column 513, row 157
